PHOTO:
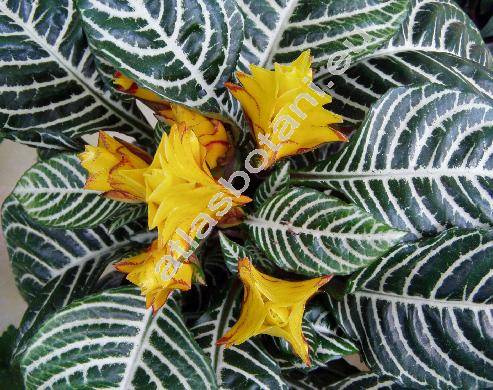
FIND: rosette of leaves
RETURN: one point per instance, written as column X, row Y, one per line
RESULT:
column 402, row 212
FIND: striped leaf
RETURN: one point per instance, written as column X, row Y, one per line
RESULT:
column 275, row 182
column 321, row 377
column 74, row 283
column 366, row 381
column 278, row 30
column 48, row 79
column 232, row 252
column 200, row 297
column 424, row 315
column 436, row 43
column 316, row 155
column 129, row 214
column 40, row 254
column 330, row 344
column 421, row 162
column 244, row 366
column 52, row 193
column 184, row 56
column 111, row 340
column 48, row 141
column 305, row 231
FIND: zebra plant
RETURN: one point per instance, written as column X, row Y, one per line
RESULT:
column 363, row 233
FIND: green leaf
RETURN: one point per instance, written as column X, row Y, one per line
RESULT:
column 366, row 381
column 330, row 343
column 10, row 375
column 129, row 214
column 199, row 298
column 232, row 252
column 39, row 254
column 184, row 56
column 244, row 366
column 278, row 31
column 436, row 43
column 48, row 79
column 275, row 182
column 52, row 193
column 421, row 161
column 111, row 340
column 305, row 231
column 72, row 284
column 316, row 155
column 48, row 141
column 321, row 377
column 423, row 314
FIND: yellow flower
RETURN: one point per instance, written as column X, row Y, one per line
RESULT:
column 286, row 114
column 181, row 192
column 116, row 168
column 211, row 132
column 272, row 306
column 156, row 276
column 127, row 85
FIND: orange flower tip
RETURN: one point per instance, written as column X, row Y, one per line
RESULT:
column 244, row 263
column 118, row 266
column 243, row 199
column 117, row 74
column 121, row 196
column 155, row 309
column 234, row 217
column 103, row 137
column 233, row 87
column 325, row 279
column 223, row 341
column 241, row 75
column 341, row 136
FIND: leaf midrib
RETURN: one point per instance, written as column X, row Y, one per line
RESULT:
column 149, row 319
column 435, row 173
column 223, row 319
column 422, row 301
column 278, row 33
column 296, row 230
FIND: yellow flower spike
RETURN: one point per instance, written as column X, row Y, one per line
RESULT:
column 272, row 306
column 127, row 85
column 286, row 114
column 180, row 189
column 156, row 276
column 211, row 132
column 116, row 168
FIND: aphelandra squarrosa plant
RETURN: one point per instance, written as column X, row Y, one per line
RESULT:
column 317, row 189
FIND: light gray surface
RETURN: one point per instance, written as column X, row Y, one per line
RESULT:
column 14, row 160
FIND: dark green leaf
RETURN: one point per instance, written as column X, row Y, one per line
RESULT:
column 304, row 231
column 111, row 340
column 421, row 162
column 48, row 80
column 423, row 314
